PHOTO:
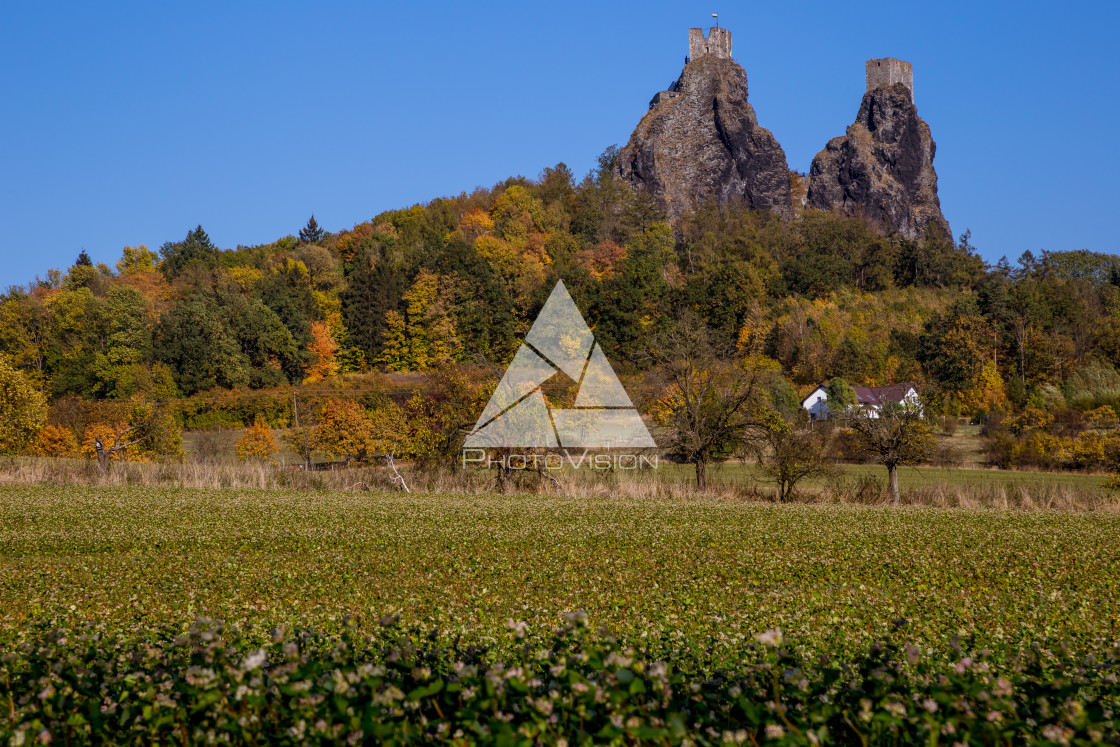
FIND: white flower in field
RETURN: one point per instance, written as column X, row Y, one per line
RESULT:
column 770, row 637
column 561, row 742
column 254, row 660
column 1057, row 733
column 519, row 628
column 775, row 731
column 930, row 705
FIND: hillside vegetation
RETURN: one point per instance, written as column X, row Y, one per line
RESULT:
column 220, row 337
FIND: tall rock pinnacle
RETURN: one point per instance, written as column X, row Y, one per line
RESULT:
column 883, row 167
column 700, row 139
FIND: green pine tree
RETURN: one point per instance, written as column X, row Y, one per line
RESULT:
column 311, row 233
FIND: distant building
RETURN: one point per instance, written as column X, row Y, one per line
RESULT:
column 887, row 71
column 870, row 399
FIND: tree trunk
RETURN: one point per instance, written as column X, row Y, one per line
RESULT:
column 701, row 474
column 102, row 460
column 892, row 478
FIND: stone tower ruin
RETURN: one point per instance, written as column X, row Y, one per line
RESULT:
column 718, row 43
column 887, row 71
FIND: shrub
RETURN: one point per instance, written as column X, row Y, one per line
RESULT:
column 1032, row 418
column 1042, row 450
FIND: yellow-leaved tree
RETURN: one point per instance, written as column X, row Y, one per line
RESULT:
column 988, row 394
column 23, row 409
column 424, row 338
column 256, row 443
column 345, row 430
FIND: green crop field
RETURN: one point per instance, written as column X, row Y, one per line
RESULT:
column 1002, row 626
column 827, row 575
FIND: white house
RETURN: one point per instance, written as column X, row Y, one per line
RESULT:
column 870, row 398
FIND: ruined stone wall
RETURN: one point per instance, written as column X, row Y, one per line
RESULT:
column 718, row 43
column 887, row 71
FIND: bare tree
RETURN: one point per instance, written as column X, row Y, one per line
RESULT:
column 895, row 435
column 711, row 393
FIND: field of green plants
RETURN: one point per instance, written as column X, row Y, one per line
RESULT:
column 688, row 583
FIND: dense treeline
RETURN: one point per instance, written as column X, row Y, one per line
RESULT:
column 462, row 279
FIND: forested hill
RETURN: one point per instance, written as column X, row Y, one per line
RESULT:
column 462, row 279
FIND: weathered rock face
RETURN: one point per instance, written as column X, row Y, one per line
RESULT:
column 883, row 167
column 701, row 139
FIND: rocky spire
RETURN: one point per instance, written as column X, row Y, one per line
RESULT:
column 700, row 139
column 882, row 168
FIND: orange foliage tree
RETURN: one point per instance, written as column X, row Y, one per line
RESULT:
column 345, row 430
column 56, row 441
column 257, row 443
column 323, row 349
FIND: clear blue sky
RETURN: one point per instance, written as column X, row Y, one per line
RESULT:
column 130, row 123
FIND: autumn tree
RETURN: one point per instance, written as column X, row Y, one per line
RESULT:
column 256, row 443
column 987, row 394
column 128, row 340
column 424, row 337
column 56, row 441
column 439, row 418
column 323, row 350
column 25, row 332
column 137, row 260
column 345, row 430
column 896, row 434
column 23, row 409
column 712, row 394
column 955, row 346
